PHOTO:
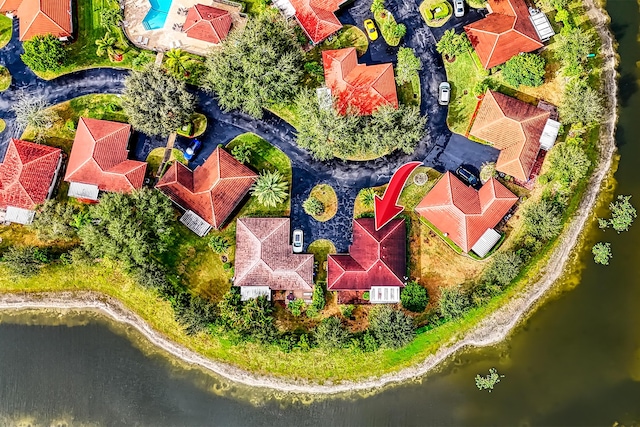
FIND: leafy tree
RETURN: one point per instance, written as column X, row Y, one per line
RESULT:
column 256, row 67
column 54, row 221
column 399, row 30
column 414, row 297
column 526, row 69
column 452, row 44
column 24, row 261
column 296, row 307
column 44, row 53
column 318, row 300
column 481, row 87
column 488, row 382
column 197, row 315
column 622, row 214
column 568, row 164
column 330, row 334
column 347, row 310
column 142, row 60
column 542, row 220
column 408, row 65
column 453, row 302
column 242, row 153
column 391, row 328
column 572, row 47
column 602, row 253
column 110, row 17
column 131, row 228
column 33, row 111
column 377, row 7
column 581, row 103
column 487, row 171
column 313, row 206
column 367, row 197
column 270, row 189
column 155, row 102
column 219, row 244
column 249, row 320
column 504, row 268
column 108, row 45
column 151, row 276
column 176, row 61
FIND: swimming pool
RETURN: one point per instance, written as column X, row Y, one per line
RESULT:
column 157, row 16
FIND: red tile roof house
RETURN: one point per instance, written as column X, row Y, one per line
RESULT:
column 207, row 23
column 266, row 264
column 210, row 193
column 505, row 32
column 465, row 215
column 317, row 17
column 28, row 175
column 99, row 160
column 360, row 87
column 513, row 127
column 376, row 263
column 40, row 17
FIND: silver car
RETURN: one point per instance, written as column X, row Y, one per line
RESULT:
column 458, row 8
column 298, row 241
column 444, row 93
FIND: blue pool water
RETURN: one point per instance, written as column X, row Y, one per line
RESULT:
column 157, row 16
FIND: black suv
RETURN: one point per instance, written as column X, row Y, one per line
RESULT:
column 467, row 176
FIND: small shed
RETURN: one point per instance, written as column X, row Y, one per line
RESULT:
column 549, row 134
column 83, row 191
column 195, row 223
column 19, row 215
column 541, row 24
column 384, row 294
column 250, row 292
column 487, row 241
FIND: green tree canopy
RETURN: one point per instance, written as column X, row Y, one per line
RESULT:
column 44, row 53
column 156, row 103
column 622, row 214
column 177, row 61
column 256, row 67
column 601, row 253
column 391, row 328
column 542, row 220
column 270, row 189
column 504, row 267
column 581, row 103
column 408, row 65
column 453, row 302
column 54, row 221
column 572, row 47
column 568, row 164
column 131, row 228
column 414, row 297
column 24, row 261
column 330, row 334
column 108, row 45
column 526, row 69
column 452, row 44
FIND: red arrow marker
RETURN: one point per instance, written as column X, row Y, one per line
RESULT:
column 387, row 208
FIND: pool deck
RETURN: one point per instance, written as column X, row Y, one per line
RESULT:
column 161, row 40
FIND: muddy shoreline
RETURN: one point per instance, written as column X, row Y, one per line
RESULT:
column 491, row 330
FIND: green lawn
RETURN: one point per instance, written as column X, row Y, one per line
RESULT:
column 327, row 195
column 3, row 125
column 409, row 93
column 198, row 123
column 6, row 26
column 5, row 78
column 155, row 158
column 385, row 20
column 287, row 112
column 349, row 36
column 427, row 7
column 463, row 74
column 82, row 51
column 320, row 249
column 62, row 133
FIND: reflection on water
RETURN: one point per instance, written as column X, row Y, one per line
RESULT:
column 576, row 361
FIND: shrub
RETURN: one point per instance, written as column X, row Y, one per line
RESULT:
column 504, row 268
column 481, row 87
column 408, row 65
column 453, row 302
column 242, row 153
column 568, row 164
column 24, row 261
column 581, row 103
column 347, row 310
column 330, row 334
column 54, row 221
column 365, row 296
column 391, row 328
column 44, row 53
column 452, row 44
column 414, row 297
column 487, row 171
column 602, row 253
column 488, row 382
column 526, row 69
column 367, row 197
column 318, row 298
column 542, row 220
column 219, row 244
column 197, row 315
column 296, row 307
column 313, row 206
column 622, row 214
column 270, row 189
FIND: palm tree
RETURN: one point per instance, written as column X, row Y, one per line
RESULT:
column 377, row 6
column 108, row 45
column 176, row 61
column 270, row 189
column 367, row 197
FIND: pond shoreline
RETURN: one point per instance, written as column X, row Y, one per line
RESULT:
column 491, row 330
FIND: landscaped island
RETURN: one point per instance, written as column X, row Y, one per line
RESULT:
column 190, row 214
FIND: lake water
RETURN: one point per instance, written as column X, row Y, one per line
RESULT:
column 576, row 361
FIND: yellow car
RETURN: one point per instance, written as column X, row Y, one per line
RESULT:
column 370, row 27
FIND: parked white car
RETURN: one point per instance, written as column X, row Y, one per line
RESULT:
column 298, row 241
column 444, row 93
column 458, row 8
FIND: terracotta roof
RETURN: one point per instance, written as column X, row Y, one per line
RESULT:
column 376, row 258
column 504, row 33
column 264, row 256
column 40, row 17
column 463, row 213
column 26, row 174
column 317, row 18
column 99, row 157
column 9, row 5
column 359, row 86
column 213, row 190
column 514, row 127
column 207, row 23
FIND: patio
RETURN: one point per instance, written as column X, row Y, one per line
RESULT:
column 170, row 35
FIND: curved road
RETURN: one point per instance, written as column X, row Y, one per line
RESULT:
column 439, row 148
